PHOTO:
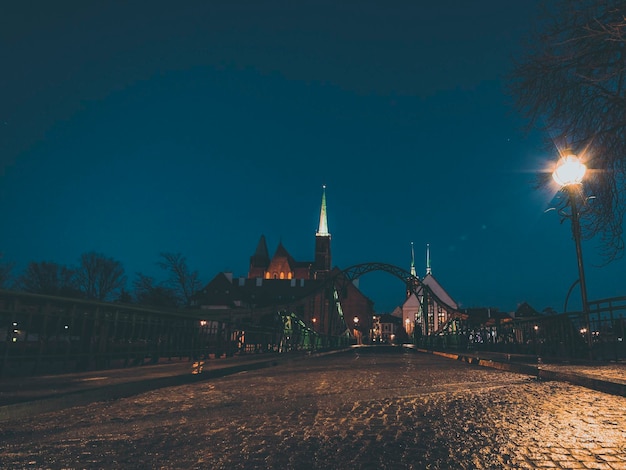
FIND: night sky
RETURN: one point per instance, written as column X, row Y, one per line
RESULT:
column 134, row 128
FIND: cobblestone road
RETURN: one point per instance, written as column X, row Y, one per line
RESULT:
column 354, row 410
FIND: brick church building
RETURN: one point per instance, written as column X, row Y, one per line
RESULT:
column 317, row 293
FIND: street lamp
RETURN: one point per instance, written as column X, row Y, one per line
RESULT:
column 569, row 173
column 356, row 328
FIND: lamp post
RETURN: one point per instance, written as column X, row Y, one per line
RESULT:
column 356, row 329
column 569, row 173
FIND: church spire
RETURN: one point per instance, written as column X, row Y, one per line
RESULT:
column 322, row 231
column 413, row 261
column 428, row 271
column 322, row 263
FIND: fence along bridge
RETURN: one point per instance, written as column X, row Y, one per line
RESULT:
column 46, row 334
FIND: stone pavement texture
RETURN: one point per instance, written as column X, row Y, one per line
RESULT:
column 358, row 409
column 608, row 377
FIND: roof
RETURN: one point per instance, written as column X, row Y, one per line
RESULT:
column 486, row 316
column 258, row 292
column 439, row 291
column 525, row 310
column 261, row 257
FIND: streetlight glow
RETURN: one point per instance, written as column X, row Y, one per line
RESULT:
column 569, row 170
column 568, row 173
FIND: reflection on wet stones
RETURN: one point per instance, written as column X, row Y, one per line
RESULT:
column 382, row 411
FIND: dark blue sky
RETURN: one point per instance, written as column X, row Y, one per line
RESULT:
column 132, row 129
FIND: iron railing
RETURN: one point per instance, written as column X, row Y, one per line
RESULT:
column 598, row 335
column 44, row 334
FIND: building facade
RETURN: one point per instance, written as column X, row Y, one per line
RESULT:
column 430, row 316
column 315, row 292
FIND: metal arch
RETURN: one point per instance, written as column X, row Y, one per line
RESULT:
column 354, row 272
column 413, row 283
column 340, row 279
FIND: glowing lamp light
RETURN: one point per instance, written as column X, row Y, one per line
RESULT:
column 569, row 170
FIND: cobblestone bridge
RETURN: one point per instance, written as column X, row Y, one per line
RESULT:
column 369, row 408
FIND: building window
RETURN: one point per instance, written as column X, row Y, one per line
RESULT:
column 289, row 275
column 267, row 275
column 441, row 315
column 431, row 317
column 282, row 275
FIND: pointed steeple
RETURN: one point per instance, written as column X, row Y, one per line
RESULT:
column 322, row 230
column 260, row 260
column 261, row 252
column 412, row 282
column 322, row 263
column 413, row 261
column 428, row 271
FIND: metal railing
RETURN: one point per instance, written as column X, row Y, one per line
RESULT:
column 599, row 335
column 44, row 334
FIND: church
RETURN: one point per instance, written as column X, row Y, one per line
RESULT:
column 312, row 289
column 283, row 266
column 437, row 309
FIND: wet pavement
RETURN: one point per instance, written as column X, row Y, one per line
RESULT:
column 365, row 408
column 606, row 376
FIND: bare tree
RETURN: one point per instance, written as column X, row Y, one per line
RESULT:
column 148, row 293
column 572, row 82
column 124, row 297
column 49, row 278
column 99, row 277
column 181, row 279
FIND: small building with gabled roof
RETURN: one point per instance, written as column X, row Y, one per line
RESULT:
column 438, row 305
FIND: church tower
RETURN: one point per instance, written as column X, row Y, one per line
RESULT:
column 260, row 260
column 321, row 265
column 412, row 282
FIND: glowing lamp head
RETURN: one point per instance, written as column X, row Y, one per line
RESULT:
column 569, row 170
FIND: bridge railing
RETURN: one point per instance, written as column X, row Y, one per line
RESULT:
column 45, row 334
column 598, row 335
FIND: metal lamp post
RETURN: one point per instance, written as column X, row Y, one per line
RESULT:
column 569, row 173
